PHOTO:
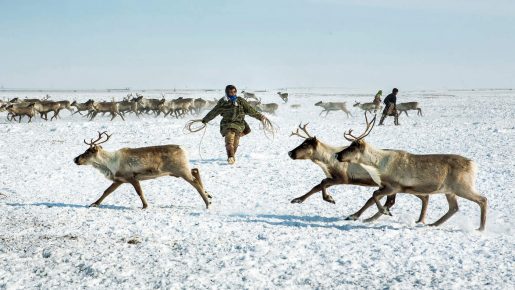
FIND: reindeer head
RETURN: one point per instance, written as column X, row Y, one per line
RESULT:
column 319, row 103
column 92, row 152
column 307, row 148
column 355, row 104
column 354, row 152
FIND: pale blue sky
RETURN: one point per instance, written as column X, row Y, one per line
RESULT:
column 257, row 44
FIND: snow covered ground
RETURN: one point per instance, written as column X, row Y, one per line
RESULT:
column 253, row 237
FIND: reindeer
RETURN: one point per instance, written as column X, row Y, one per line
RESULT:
column 268, row 108
column 87, row 106
column 399, row 171
column 211, row 104
column 65, row 105
column 168, row 108
column 106, row 107
column 132, row 165
column 367, row 107
column 183, row 106
column 127, row 106
column 333, row 106
column 283, row 96
column 405, row 107
column 198, row 105
column 338, row 173
column 250, row 96
column 45, row 107
column 147, row 105
column 15, row 110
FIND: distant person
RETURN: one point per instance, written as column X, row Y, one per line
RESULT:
column 390, row 107
column 377, row 100
column 232, row 126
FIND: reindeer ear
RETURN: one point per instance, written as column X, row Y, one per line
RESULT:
column 315, row 142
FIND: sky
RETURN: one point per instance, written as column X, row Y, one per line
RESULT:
column 257, row 44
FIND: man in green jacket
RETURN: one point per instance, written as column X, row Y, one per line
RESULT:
column 233, row 110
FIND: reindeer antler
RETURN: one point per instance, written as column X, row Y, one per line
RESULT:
column 303, row 128
column 348, row 135
column 96, row 142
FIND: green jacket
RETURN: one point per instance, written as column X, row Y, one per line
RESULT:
column 233, row 116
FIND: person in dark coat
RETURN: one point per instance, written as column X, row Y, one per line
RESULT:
column 233, row 110
column 390, row 107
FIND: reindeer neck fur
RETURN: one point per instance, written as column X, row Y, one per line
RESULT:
column 375, row 161
column 324, row 157
column 107, row 163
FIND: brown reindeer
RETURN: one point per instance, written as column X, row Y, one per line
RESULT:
column 338, row 173
column 132, row 165
column 399, row 171
column 19, row 111
column 106, row 107
column 81, row 107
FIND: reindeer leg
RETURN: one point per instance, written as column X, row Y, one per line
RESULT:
column 453, row 208
column 315, row 189
column 325, row 196
column 93, row 115
column 137, row 187
column 121, row 116
column 378, row 194
column 195, row 172
column 425, row 202
column 357, row 214
column 390, row 201
column 198, row 186
column 480, row 200
column 108, row 191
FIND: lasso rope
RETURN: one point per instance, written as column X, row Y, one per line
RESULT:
column 190, row 127
column 193, row 126
column 268, row 128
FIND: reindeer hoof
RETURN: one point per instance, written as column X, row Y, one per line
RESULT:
column 94, row 205
column 297, row 200
column 144, row 206
column 351, row 218
column 386, row 211
column 329, row 198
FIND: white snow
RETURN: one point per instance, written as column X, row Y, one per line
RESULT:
column 253, row 237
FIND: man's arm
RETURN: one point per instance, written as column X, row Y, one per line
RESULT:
column 212, row 114
column 249, row 110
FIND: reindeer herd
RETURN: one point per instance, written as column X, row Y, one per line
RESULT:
column 137, row 105
column 180, row 107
